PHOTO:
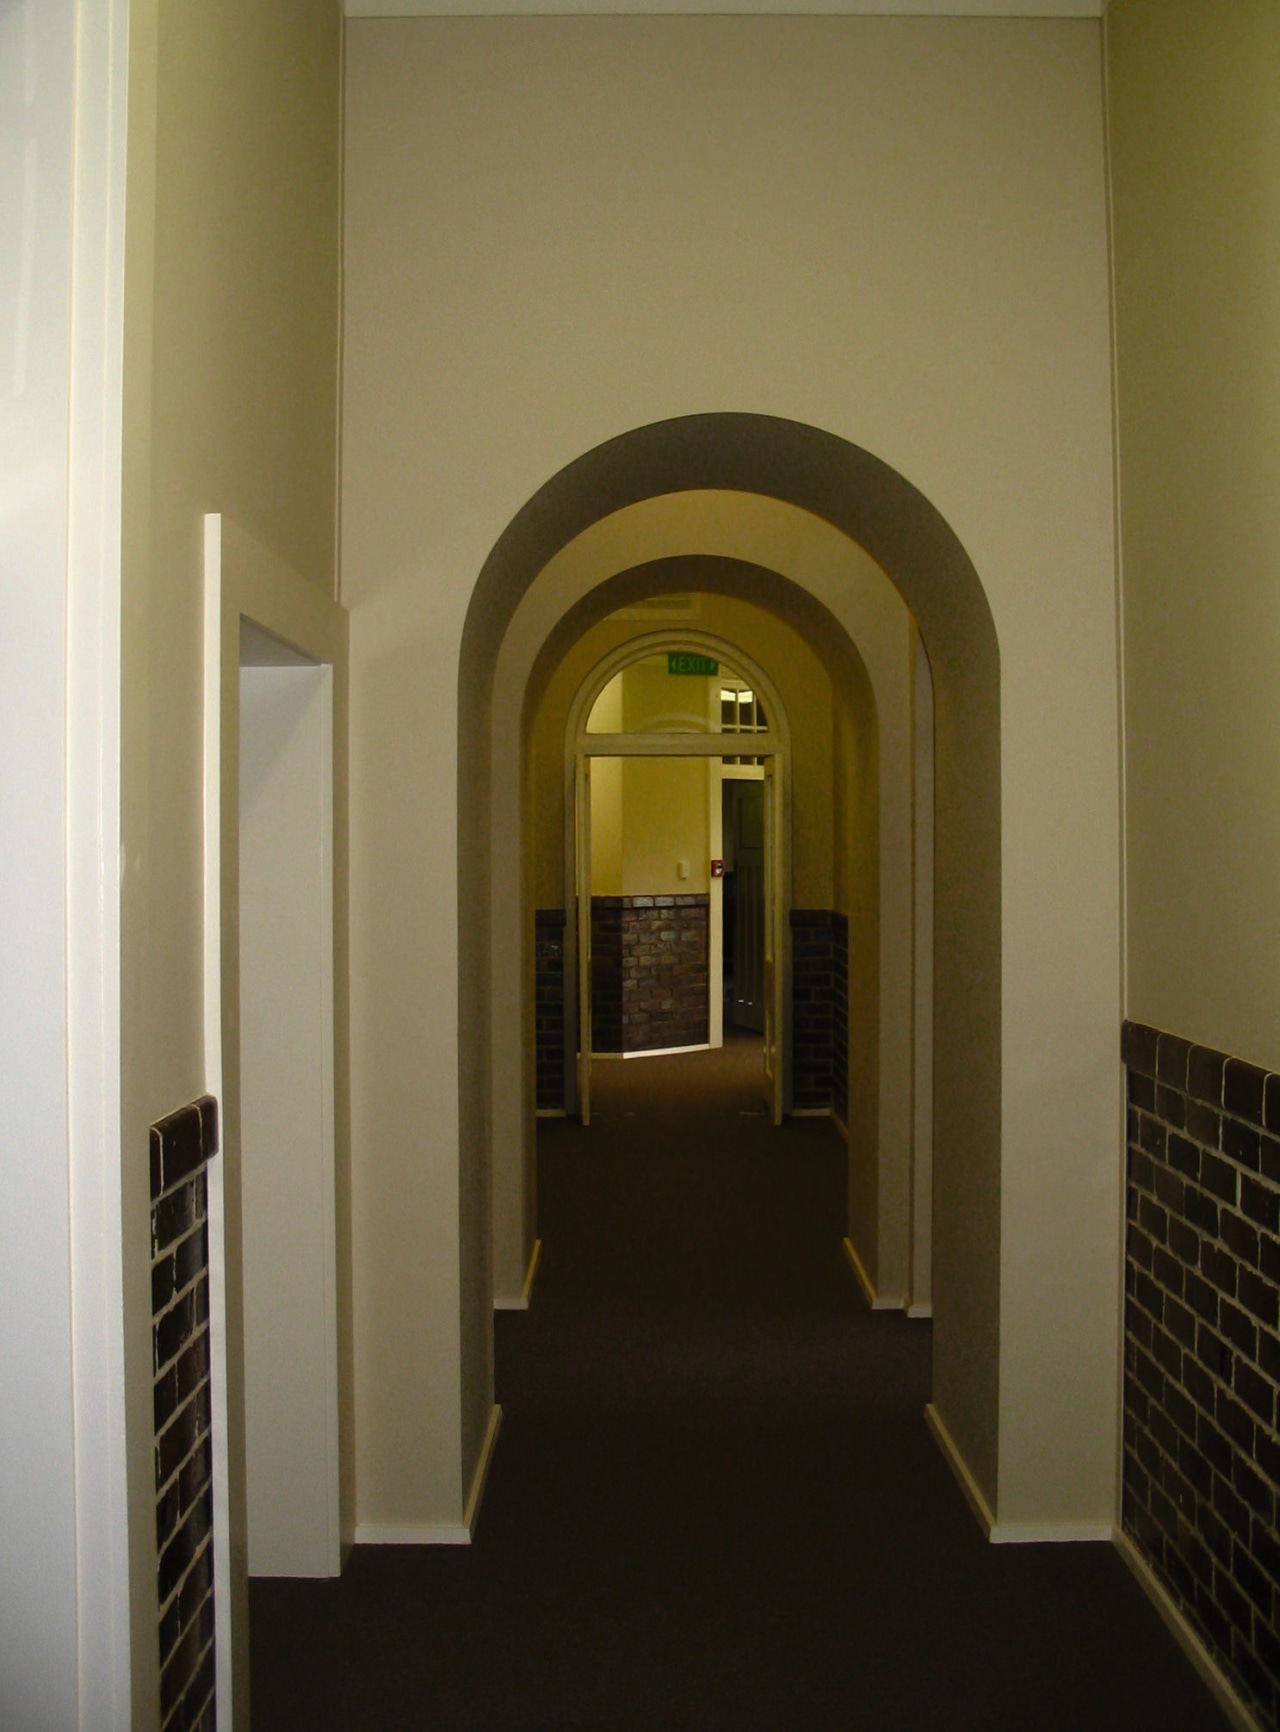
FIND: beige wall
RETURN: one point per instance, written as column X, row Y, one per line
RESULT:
column 230, row 404
column 561, row 229
column 1195, row 163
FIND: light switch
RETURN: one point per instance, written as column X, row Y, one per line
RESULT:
column 682, row 868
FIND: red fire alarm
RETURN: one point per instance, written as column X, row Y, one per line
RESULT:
column 717, row 868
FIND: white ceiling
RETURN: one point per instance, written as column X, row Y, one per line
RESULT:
column 848, row 8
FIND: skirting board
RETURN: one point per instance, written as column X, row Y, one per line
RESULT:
column 959, row 1467
column 1008, row 1533
column 919, row 1311
column 550, row 1113
column 1224, row 1692
column 503, row 1302
column 440, row 1533
column 877, row 1302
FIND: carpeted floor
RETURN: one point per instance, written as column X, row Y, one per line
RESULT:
column 714, row 1503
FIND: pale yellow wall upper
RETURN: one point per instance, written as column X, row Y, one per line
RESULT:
column 1194, row 121
column 892, row 229
column 230, row 404
column 805, row 689
column 664, row 821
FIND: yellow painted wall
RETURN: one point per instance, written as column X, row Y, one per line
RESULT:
column 1194, row 122
column 664, row 821
column 230, row 386
column 805, row 687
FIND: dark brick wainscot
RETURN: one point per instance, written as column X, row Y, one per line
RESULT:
column 181, row 1146
column 649, row 972
column 548, row 1001
column 1202, row 1345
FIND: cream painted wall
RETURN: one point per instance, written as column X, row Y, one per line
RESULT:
column 1195, row 163
column 230, row 403
column 892, row 229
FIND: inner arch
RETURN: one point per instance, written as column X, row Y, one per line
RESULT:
column 878, row 510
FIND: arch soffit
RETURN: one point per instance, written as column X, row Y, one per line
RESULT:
column 849, row 489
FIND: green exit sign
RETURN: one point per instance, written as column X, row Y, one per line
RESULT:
column 679, row 662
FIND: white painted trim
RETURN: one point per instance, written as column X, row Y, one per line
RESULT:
column 813, row 1113
column 1188, row 1639
column 1050, row 1533
column 420, row 1534
column 242, row 579
column 676, row 745
column 550, row 1113
column 877, row 1302
column 535, row 1257
column 919, row 1311
column 1007, row 1533
column 503, row 1302
column 92, row 818
column 481, row 1475
column 440, row 1533
column 960, row 1468
column 219, row 1430
column 660, row 1051
column 839, row 8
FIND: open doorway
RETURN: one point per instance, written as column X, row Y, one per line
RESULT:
column 645, row 861
column 289, row 1245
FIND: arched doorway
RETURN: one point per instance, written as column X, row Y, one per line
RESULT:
column 861, row 504
column 603, row 730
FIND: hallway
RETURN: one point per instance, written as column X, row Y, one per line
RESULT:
column 714, row 1502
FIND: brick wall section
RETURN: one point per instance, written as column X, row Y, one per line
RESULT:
column 665, row 966
column 548, row 1000
column 607, row 917
column 181, row 1146
column 840, row 1017
column 813, row 1003
column 1202, row 1344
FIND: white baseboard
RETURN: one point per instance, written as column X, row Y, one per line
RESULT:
column 520, row 1301
column 1050, row 1533
column 550, row 1113
column 1008, row 1533
column 1187, row 1637
column 414, row 1534
column 481, row 1474
column 811, row 1113
column 439, row 1533
column 960, row 1468
column 919, row 1310
column 877, row 1301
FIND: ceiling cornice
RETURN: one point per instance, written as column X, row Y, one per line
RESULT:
column 793, row 8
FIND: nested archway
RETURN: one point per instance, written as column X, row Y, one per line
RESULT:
column 870, row 507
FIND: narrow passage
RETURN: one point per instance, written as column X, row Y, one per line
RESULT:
column 714, row 1503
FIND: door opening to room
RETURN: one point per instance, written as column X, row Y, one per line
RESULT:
column 679, row 874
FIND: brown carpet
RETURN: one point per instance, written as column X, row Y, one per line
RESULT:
column 714, row 1503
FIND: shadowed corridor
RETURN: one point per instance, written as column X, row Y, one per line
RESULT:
column 714, row 1502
